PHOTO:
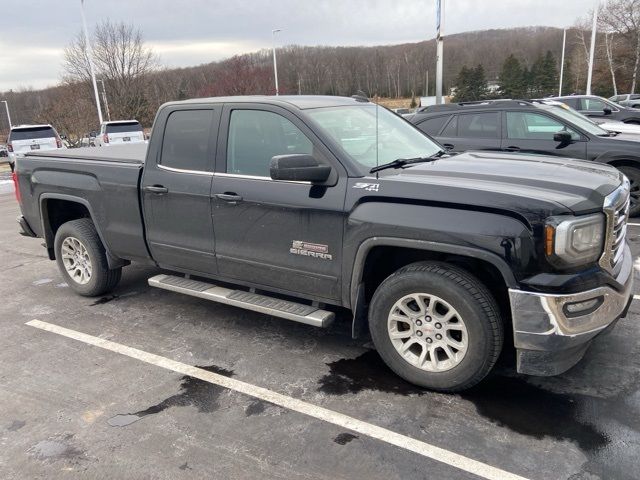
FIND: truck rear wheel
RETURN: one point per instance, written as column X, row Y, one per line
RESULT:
column 82, row 259
column 436, row 326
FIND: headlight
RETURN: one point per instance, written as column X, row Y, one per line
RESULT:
column 571, row 241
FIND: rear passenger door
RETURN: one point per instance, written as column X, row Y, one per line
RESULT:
column 533, row 132
column 472, row 131
column 283, row 235
column 176, row 189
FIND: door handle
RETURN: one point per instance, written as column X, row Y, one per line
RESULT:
column 512, row 149
column 157, row 189
column 448, row 146
column 228, row 197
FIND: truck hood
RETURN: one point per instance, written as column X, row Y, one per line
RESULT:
column 522, row 183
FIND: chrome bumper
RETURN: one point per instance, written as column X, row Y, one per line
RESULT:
column 548, row 338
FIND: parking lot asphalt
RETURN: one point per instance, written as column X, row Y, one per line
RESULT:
column 75, row 410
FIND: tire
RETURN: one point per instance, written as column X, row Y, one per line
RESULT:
column 94, row 280
column 445, row 286
column 633, row 174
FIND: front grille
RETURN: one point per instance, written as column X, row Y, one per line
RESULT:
column 616, row 209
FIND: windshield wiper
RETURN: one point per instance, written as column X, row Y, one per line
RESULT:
column 401, row 162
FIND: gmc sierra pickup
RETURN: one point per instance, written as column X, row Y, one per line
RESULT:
column 298, row 206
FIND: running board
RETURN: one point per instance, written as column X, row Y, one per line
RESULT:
column 297, row 312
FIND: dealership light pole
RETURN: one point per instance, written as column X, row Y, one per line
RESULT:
column 564, row 44
column 275, row 63
column 439, row 51
column 6, row 105
column 594, row 31
column 104, row 99
column 89, row 52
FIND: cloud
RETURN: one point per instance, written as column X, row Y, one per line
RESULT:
column 189, row 32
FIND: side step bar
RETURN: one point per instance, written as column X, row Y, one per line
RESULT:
column 297, row 312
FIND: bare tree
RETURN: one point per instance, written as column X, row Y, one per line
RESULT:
column 623, row 17
column 121, row 60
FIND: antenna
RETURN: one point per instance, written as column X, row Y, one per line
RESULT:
column 377, row 143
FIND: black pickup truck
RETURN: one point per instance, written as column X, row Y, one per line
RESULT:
column 300, row 206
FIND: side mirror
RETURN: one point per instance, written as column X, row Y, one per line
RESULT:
column 298, row 168
column 563, row 138
column 607, row 111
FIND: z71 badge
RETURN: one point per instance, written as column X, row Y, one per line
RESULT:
column 307, row 249
column 369, row 187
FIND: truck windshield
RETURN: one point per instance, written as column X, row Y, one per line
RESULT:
column 354, row 129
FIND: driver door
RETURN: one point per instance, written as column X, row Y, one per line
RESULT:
column 532, row 132
column 283, row 235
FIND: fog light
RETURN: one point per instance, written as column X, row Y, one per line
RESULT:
column 578, row 309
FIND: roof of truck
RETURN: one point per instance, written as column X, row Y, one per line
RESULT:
column 302, row 102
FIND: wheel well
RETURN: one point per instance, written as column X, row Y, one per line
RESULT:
column 382, row 261
column 625, row 163
column 56, row 212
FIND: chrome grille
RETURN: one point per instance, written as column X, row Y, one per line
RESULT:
column 616, row 209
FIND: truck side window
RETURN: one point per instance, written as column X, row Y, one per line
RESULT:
column 533, row 126
column 255, row 136
column 186, row 140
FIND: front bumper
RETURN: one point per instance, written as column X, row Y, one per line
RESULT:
column 549, row 339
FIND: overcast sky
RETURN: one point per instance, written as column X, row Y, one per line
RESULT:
column 190, row 32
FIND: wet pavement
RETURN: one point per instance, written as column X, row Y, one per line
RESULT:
column 70, row 410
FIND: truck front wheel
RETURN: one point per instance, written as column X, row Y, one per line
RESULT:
column 436, row 326
column 82, row 259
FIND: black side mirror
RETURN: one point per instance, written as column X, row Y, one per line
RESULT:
column 563, row 138
column 298, row 168
column 607, row 111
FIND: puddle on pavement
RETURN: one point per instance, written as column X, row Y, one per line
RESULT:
column 344, row 438
column 510, row 402
column 56, row 448
column 365, row 372
column 16, row 425
column 193, row 392
column 514, row 403
column 255, row 408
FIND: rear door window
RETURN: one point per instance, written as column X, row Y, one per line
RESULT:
column 572, row 102
column 451, row 130
column 123, row 127
column 32, row 133
column 432, row 126
column 479, row 125
column 185, row 145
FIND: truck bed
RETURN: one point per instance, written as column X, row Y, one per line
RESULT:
column 134, row 153
column 105, row 180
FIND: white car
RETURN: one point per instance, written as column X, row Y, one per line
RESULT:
column 618, row 127
column 29, row 138
column 119, row 132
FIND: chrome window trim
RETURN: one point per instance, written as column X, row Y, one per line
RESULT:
column 257, row 177
column 184, row 170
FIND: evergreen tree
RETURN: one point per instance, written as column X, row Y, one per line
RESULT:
column 471, row 84
column 512, row 80
column 549, row 78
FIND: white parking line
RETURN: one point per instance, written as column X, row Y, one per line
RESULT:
column 344, row 421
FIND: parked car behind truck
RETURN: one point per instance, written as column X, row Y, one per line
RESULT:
column 28, row 138
column 538, row 127
column 306, row 204
column 119, row 132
